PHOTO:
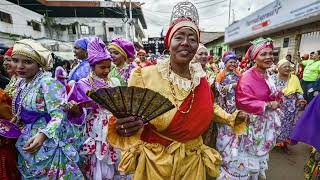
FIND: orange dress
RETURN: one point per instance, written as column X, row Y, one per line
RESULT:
column 8, row 153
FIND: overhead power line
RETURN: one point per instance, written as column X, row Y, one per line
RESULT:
column 206, row 18
column 206, row 1
column 209, row 5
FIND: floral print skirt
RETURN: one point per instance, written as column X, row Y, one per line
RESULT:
column 312, row 168
column 246, row 156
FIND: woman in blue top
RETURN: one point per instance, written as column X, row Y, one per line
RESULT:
column 83, row 69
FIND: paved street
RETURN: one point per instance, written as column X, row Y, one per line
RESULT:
column 288, row 167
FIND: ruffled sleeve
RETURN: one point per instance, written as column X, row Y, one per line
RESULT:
column 54, row 95
column 136, row 78
column 114, row 138
column 78, row 94
column 221, row 116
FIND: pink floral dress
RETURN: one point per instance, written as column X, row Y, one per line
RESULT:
column 245, row 156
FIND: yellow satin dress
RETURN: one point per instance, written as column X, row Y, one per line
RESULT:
column 179, row 161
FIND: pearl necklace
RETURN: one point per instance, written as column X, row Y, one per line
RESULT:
column 23, row 92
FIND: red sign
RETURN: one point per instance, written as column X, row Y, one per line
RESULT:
column 261, row 25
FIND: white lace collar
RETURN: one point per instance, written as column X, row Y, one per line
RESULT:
column 196, row 71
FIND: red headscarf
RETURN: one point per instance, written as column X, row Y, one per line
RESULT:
column 178, row 24
column 9, row 52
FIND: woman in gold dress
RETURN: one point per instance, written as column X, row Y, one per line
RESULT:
column 171, row 146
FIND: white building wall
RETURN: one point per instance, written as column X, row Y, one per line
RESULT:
column 100, row 29
column 19, row 26
column 310, row 42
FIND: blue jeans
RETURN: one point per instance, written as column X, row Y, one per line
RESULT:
column 307, row 85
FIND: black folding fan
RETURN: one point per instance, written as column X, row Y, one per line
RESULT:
column 125, row 101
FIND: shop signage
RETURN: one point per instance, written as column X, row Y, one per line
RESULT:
column 276, row 14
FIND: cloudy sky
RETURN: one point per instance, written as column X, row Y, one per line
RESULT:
column 213, row 13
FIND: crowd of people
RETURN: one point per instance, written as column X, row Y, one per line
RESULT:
column 228, row 116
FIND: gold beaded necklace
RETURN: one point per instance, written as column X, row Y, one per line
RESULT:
column 176, row 98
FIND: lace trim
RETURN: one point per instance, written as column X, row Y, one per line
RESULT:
column 196, row 74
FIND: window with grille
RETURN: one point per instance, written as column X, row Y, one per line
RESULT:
column 84, row 29
column 211, row 52
column 36, row 26
column 72, row 29
column 118, row 30
column 286, row 42
column 92, row 30
column 5, row 17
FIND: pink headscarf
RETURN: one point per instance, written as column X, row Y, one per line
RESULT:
column 97, row 51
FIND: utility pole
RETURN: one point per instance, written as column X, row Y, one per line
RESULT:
column 229, row 12
column 233, row 16
column 131, row 22
column 126, row 17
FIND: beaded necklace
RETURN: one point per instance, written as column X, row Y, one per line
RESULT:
column 122, row 72
column 93, row 84
column 177, row 99
column 23, row 92
column 11, row 87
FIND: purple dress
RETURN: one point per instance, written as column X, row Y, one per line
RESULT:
column 61, row 75
column 307, row 131
column 308, row 126
column 82, row 70
column 227, row 101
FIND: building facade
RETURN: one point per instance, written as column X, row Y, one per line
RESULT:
column 73, row 28
column 66, row 21
column 217, row 47
column 214, row 42
column 17, row 22
column 293, row 26
column 154, row 45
